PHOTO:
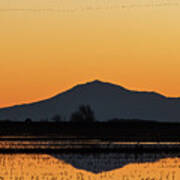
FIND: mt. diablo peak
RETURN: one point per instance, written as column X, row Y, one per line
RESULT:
column 107, row 100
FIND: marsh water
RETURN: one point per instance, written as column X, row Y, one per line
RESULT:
column 88, row 164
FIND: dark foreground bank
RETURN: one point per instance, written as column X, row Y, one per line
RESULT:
column 124, row 131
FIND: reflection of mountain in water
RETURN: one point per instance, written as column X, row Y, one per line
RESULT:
column 100, row 162
column 41, row 167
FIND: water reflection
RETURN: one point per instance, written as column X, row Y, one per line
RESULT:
column 114, row 160
column 47, row 167
column 101, row 162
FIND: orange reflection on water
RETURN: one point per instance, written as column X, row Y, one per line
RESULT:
column 46, row 167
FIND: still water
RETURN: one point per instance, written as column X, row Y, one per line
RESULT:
column 47, row 167
column 88, row 165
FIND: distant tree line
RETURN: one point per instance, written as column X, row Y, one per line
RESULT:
column 84, row 114
column 82, row 123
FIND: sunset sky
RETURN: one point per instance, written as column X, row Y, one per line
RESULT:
column 48, row 46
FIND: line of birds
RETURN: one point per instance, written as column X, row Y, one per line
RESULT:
column 92, row 8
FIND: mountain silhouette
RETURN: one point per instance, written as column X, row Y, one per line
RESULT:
column 107, row 100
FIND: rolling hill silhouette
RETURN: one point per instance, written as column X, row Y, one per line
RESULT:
column 107, row 100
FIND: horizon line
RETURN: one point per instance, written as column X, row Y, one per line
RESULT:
column 85, row 83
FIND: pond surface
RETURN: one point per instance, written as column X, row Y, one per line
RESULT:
column 140, row 164
column 47, row 167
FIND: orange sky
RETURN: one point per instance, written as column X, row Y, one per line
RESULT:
column 45, row 52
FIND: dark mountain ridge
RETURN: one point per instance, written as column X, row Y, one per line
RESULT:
column 107, row 100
